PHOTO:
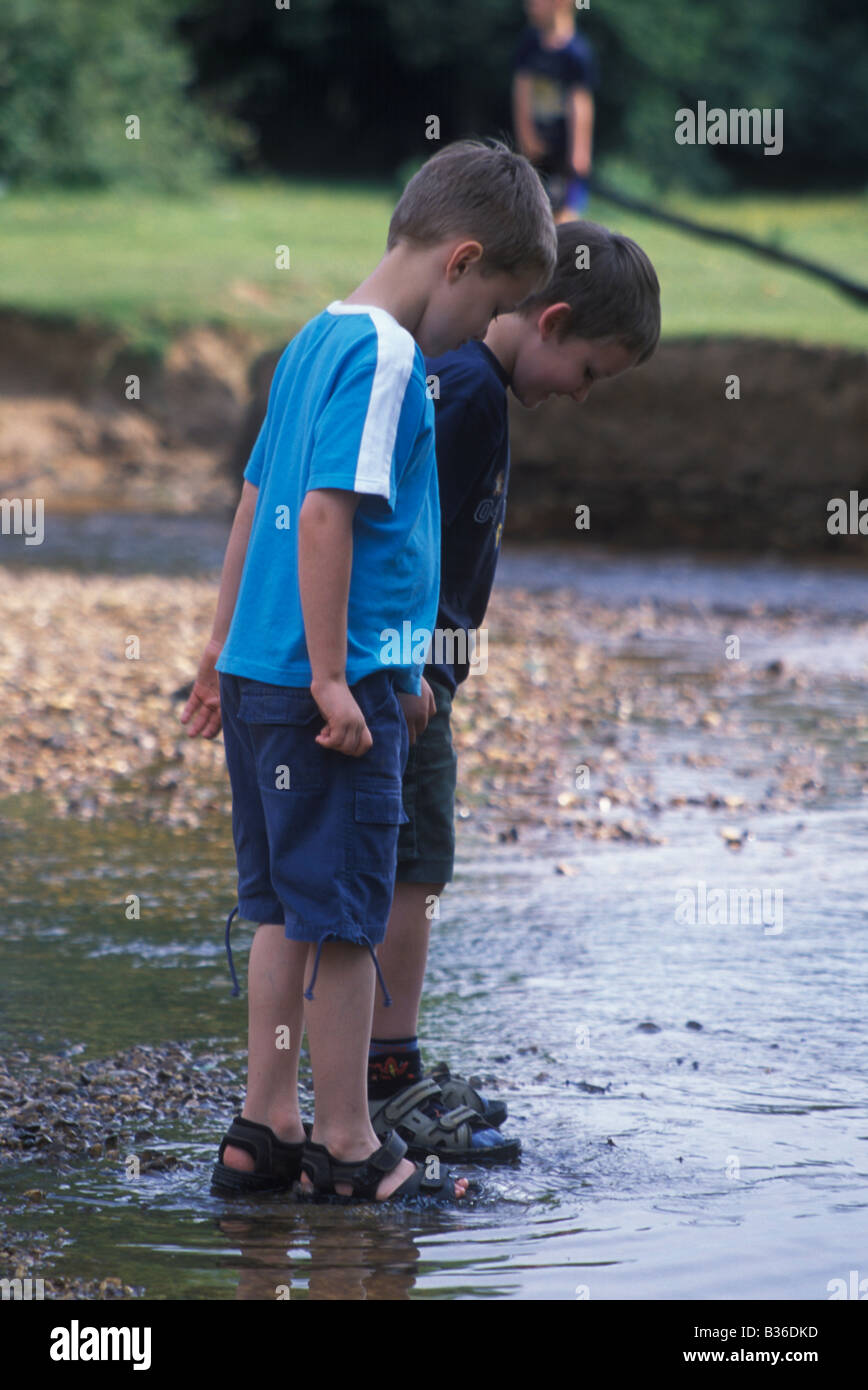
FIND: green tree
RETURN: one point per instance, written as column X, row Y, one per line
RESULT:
column 343, row 85
column 72, row 72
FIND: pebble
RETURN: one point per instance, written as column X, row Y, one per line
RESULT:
column 100, row 1119
column 94, row 732
column 31, row 1263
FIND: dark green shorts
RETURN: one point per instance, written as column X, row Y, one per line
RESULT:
column 426, row 844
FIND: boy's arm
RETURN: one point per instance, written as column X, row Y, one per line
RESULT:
column 581, row 126
column 203, row 706
column 529, row 142
column 325, row 561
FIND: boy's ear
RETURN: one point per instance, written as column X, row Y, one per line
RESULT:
column 462, row 257
column 553, row 320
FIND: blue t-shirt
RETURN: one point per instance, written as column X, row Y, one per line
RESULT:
column 472, row 425
column 348, row 408
column 554, row 73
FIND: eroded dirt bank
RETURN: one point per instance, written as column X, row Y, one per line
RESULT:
column 661, row 457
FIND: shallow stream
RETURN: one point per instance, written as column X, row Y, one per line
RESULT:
column 690, row 1094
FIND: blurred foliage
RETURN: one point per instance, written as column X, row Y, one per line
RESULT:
column 344, row 87
column 72, row 71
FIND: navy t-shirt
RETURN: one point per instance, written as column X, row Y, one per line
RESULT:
column 554, row 73
column 472, row 445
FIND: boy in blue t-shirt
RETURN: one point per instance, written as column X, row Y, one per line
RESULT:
column 336, row 539
column 590, row 323
column 553, row 103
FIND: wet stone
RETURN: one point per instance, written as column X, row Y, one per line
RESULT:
column 69, row 1122
column 29, row 1114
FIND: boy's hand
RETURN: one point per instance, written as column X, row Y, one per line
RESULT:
column 345, row 728
column 203, row 706
column 418, row 709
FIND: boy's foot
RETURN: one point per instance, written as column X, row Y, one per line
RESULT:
column 429, row 1129
column 395, row 1063
column 456, row 1091
column 382, row 1175
column 252, row 1158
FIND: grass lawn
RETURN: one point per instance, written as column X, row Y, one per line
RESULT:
column 152, row 264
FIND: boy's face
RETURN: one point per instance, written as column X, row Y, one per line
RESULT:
column 548, row 366
column 466, row 301
column 542, row 13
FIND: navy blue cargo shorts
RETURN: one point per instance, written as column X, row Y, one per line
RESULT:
column 315, row 831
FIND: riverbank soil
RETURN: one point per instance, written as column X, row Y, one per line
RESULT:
column 664, row 456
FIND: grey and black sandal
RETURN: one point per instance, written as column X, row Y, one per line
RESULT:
column 418, row 1114
column 457, row 1091
column 364, row 1177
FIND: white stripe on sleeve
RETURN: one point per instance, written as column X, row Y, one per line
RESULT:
column 396, row 353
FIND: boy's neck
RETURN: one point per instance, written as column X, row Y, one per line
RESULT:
column 502, row 339
column 400, row 284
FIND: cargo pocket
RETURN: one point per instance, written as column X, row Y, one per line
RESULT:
column 276, row 707
column 283, row 729
column 373, row 842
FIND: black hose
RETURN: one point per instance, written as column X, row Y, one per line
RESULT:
column 852, row 288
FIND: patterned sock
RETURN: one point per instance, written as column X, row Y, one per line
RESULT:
column 392, row 1064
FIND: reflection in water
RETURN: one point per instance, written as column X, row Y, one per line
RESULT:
column 330, row 1260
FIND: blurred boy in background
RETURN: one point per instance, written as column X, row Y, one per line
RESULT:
column 553, row 103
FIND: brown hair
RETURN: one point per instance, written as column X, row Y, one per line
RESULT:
column 616, row 296
column 483, row 190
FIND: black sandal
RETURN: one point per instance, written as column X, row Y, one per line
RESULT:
column 365, row 1176
column 278, row 1164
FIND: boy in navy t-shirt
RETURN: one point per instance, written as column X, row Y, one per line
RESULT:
column 589, row 323
column 553, row 104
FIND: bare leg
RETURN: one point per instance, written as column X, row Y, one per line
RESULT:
column 339, row 1027
column 403, row 957
column 274, row 977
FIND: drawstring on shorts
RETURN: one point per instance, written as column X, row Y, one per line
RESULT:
column 308, row 994
column 235, row 990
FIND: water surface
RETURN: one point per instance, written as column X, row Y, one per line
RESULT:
column 661, row 1159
